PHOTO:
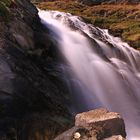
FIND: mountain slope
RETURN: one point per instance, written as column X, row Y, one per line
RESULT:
column 92, row 2
column 122, row 20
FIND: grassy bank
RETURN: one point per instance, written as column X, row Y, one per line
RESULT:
column 121, row 20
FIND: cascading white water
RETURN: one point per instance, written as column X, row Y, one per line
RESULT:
column 105, row 71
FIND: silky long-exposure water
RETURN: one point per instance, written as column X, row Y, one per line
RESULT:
column 105, row 72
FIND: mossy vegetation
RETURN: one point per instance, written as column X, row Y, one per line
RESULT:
column 7, row 2
column 5, row 13
column 122, row 20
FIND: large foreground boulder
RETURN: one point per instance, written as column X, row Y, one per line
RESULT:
column 98, row 124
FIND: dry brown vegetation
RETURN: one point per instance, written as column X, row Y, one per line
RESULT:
column 122, row 20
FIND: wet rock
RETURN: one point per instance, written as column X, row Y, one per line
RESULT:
column 29, row 7
column 31, row 89
column 22, row 34
column 96, row 124
column 118, row 137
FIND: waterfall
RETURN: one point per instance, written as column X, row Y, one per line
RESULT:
column 103, row 70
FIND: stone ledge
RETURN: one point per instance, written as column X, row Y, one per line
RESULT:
column 98, row 124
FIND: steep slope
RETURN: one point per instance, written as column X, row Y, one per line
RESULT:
column 92, row 2
column 122, row 20
column 32, row 92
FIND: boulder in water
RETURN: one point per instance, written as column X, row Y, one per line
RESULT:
column 96, row 124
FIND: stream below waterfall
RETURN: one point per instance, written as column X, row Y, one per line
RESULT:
column 103, row 70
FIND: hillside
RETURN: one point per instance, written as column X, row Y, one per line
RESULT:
column 92, row 2
column 122, row 20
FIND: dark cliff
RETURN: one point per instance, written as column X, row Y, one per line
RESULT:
column 32, row 94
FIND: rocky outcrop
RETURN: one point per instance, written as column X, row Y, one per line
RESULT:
column 32, row 92
column 98, row 124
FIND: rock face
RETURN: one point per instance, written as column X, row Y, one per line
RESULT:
column 98, row 124
column 32, row 92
